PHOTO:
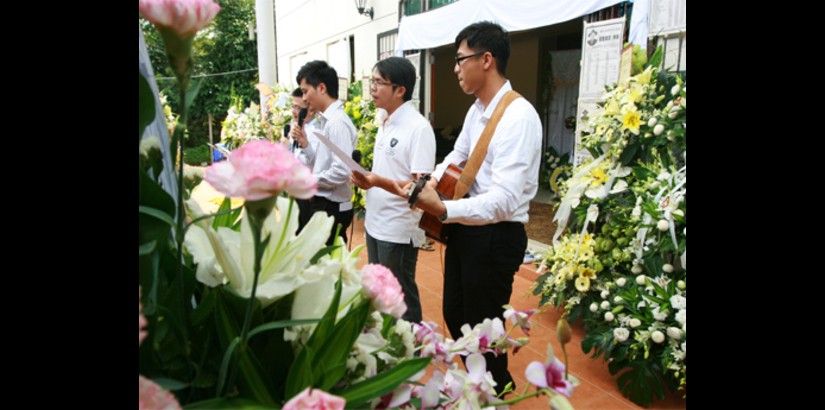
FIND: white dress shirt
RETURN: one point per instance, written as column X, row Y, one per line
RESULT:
column 329, row 170
column 508, row 178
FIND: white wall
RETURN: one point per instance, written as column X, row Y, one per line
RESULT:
column 307, row 29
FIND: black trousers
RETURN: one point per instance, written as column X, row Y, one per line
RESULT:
column 480, row 264
column 308, row 207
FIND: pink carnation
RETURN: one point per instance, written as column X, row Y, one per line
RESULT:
column 184, row 17
column 383, row 288
column 549, row 376
column 315, row 400
column 153, row 397
column 260, row 169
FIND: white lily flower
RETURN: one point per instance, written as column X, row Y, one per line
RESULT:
column 657, row 336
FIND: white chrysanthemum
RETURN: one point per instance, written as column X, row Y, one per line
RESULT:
column 637, row 269
column 659, row 314
column 621, row 282
column 605, row 305
column 678, row 302
column 674, row 333
column 657, row 336
column 681, row 316
column 621, row 334
column 658, row 129
column 634, row 323
column 605, row 293
column 594, row 307
column 668, row 268
column 608, row 316
column 681, row 284
column 617, row 300
column 662, row 225
column 640, row 280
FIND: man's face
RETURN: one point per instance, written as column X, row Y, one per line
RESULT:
column 470, row 71
column 297, row 104
column 312, row 95
column 382, row 91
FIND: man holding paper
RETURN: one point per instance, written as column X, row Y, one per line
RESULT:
column 319, row 85
column 404, row 150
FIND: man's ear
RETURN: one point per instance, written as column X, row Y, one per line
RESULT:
column 489, row 61
column 321, row 88
column 401, row 90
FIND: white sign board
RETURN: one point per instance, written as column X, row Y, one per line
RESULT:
column 601, row 54
column 667, row 16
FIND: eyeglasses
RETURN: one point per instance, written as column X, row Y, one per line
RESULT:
column 375, row 82
column 458, row 60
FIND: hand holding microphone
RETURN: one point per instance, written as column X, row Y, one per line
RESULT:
column 299, row 138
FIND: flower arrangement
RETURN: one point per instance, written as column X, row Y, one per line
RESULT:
column 621, row 264
column 237, row 310
column 242, row 125
column 556, row 169
column 363, row 116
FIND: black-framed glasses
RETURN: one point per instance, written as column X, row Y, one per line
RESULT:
column 458, row 60
column 375, row 82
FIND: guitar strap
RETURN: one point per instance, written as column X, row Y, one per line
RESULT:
column 468, row 175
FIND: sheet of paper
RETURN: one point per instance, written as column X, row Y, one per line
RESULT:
column 346, row 157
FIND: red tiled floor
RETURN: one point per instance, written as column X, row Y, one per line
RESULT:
column 598, row 388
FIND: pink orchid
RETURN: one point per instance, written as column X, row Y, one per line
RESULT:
column 383, row 288
column 260, row 169
column 184, row 17
column 153, row 397
column 520, row 318
column 314, row 399
column 141, row 321
column 549, row 376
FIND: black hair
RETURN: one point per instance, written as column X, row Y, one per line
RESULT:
column 487, row 36
column 297, row 92
column 317, row 72
column 398, row 71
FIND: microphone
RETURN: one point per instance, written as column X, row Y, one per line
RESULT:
column 302, row 115
column 287, row 128
column 356, row 156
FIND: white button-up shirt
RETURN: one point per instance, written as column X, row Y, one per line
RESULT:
column 329, row 170
column 508, row 178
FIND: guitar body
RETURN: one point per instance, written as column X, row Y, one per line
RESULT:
column 431, row 225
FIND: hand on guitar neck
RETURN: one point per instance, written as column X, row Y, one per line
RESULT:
column 373, row 180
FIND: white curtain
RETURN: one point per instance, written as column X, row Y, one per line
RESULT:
column 440, row 26
column 566, row 69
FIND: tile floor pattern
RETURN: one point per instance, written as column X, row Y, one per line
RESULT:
column 598, row 388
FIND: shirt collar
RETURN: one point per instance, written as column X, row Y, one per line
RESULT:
column 399, row 113
column 487, row 112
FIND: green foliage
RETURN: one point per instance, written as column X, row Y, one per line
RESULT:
column 221, row 47
column 196, row 155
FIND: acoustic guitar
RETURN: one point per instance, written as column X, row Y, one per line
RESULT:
column 432, row 226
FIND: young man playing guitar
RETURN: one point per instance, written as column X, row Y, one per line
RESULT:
column 487, row 238
column 404, row 150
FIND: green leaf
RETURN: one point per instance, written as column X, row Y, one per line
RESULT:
column 335, row 350
column 300, row 373
column 382, row 383
column 641, row 382
column 152, row 196
column 224, row 215
column 280, row 325
column 170, row 384
column 656, row 59
column 629, row 154
column 226, row 403
column 157, row 214
column 322, row 252
column 193, row 91
column 146, row 105
column 147, row 248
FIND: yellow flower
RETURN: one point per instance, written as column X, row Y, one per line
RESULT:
column 357, row 99
column 644, row 76
column 588, row 273
column 631, row 120
column 583, row 284
column 612, row 108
